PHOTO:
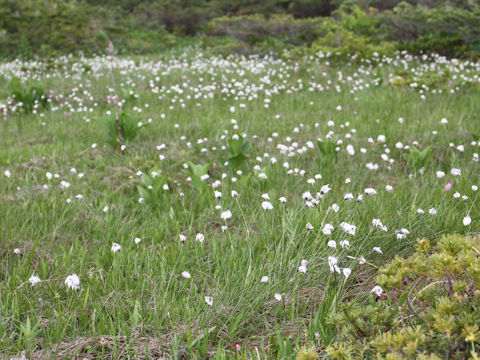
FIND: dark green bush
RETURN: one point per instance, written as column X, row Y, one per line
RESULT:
column 444, row 28
column 341, row 41
column 429, row 310
column 254, row 29
column 51, row 27
column 45, row 27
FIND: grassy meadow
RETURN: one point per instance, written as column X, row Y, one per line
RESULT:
column 253, row 196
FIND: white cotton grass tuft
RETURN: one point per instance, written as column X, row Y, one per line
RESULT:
column 116, row 247
column 34, row 280
column 267, row 206
column 209, row 300
column 225, row 215
column 303, row 266
column 346, row 272
column 73, row 282
column 377, row 290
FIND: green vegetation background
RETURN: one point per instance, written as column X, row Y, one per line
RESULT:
column 31, row 28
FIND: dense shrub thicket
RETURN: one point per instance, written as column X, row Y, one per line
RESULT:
column 426, row 309
column 52, row 27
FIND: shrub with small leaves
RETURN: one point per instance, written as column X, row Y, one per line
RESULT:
column 428, row 311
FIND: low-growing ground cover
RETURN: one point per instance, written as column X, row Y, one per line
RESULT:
column 251, row 196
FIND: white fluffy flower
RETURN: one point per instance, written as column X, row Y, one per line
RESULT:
column 209, row 300
column 116, row 247
column 346, row 272
column 327, row 229
column 377, row 249
column 345, row 244
column 350, row 150
column 307, row 195
column 332, row 263
column 303, row 266
column 348, row 228
column 264, row 279
column 332, row 244
column 325, row 189
column 377, row 290
column 456, row 172
column 34, row 280
column 73, row 282
column 467, row 220
column 186, row 275
column 225, row 215
column 267, row 206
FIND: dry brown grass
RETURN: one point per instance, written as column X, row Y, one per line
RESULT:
column 106, row 347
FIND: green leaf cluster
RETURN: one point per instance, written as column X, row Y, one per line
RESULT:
column 128, row 125
column 196, row 172
column 237, row 149
column 152, row 187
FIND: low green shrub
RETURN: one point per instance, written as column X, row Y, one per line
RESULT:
column 340, row 41
column 429, row 309
column 254, row 29
column 444, row 28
